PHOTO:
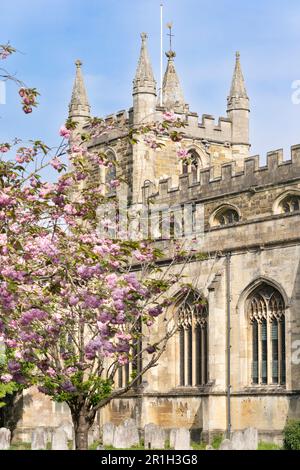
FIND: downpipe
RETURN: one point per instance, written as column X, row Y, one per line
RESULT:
column 228, row 343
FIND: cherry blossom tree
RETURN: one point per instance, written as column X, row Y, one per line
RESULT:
column 76, row 306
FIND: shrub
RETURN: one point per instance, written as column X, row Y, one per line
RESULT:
column 292, row 435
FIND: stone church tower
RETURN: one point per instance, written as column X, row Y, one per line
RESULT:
column 237, row 364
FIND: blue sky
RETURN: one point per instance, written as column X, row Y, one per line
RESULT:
column 52, row 34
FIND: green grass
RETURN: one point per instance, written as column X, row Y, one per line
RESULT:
column 198, row 446
column 217, row 441
column 195, row 446
column 129, row 448
column 268, row 446
column 20, row 446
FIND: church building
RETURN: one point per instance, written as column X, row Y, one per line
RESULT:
column 235, row 364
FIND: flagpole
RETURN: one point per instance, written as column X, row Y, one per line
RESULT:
column 161, row 54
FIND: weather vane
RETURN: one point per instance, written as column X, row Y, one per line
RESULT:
column 169, row 26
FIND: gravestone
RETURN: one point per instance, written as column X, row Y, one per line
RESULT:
column 245, row 440
column 93, row 434
column 226, row 445
column 250, row 439
column 237, row 440
column 158, row 438
column 172, row 438
column 108, row 434
column 39, row 439
column 5, row 436
column 182, row 439
column 119, row 441
column 126, row 435
column 67, row 426
column 149, row 429
column 59, row 439
column 132, row 433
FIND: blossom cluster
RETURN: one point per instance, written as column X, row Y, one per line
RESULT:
column 29, row 96
column 6, row 50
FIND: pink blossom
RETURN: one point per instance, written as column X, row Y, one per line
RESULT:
column 69, row 209
column 70, row 370
column 64, row 183
column 169, row 116
column 105, row 317
column 33, row 182
column 80, row 176
column 25, row 154
column 4, row 148
column 73, row 300
column 132, row 280
column 6, row 378
column 67, row 386
column 155, row 311
column 33, row 314
column 64, row 132
column 46, row 189
column 92, row 301
column 114, row 183
column 86, row 272
column 142, row 256
column 122, row 360
column 3, row 239
column 51, row 372
column 123, row 336
column 12, row 274
column 182, row 153
column 76, row 149
column 115, row 264
column 14, row 366
column 56, row 163
column 111, row 280
column 6, row 200
column 11, row 343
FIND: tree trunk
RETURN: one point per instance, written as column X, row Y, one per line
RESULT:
column 82, row 424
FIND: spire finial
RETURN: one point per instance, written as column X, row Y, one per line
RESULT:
column 172, row 93
column 79, row 105
column 144, row 73
column 238, row 94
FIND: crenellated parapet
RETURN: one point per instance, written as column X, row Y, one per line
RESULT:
column 207, row 128
column 253, row 176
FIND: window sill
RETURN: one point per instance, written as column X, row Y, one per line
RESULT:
column 269, row 388
column 192, row 388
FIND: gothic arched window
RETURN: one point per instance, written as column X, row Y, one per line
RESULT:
column 193, row 166
column 266, row 312
column 226, row 215
column 193, row 340
column 287, row 203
